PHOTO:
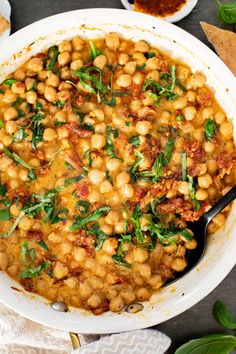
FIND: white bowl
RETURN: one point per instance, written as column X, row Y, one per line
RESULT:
column 220, row 255
column 177, row 16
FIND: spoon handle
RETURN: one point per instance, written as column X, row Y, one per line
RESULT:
column 221, row 204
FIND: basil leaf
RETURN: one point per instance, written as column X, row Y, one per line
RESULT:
column 215, row 344
column 94, row 52
column 209, row 128
column 168, row 150
column 58, row 123
column 158, row 165
column 134, row 140
column 223, row 316
column 184, row 165
column 227, row 12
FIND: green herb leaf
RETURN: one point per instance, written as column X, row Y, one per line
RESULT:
column 1, row 124
column 184, row 166
column 39, row 106
column 18, row 102
column 3, row 190
column 168, row 150
column 99, row 234
column 192, row 192
column 215, row 344
column 154, row 96
column 71, row 180
column 20, row 135
column 186, row 234
column 60, row 104
column 137, row 226
column 5, row 214
column 223, row 316
column 32, row 272
column 109, row 147
column 83, row 206
column 180, row 118
column 43, row 245
column 94, row 216
column 134, row 140
column 9, row 82
column 94, row 52
column 209, row 128
column 227, row 12
column 119, row 260
column 108, row 177
column 150, row 55
column 52, row 56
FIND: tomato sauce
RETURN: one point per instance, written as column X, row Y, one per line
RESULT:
column 161, row 8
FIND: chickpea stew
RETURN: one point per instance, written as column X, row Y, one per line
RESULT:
column 107, row 149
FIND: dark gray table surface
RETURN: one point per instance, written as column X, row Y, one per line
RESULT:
column 198, row 320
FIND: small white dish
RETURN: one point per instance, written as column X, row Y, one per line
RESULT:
column 183, row 12
column 5, row 11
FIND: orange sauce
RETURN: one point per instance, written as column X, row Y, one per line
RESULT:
column 161, row 8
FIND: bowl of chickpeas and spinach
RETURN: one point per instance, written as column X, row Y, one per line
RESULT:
column 109, row 147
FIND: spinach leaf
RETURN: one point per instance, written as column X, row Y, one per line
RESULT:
column 192, row 192
column 3, row 190
column 17, row 102
column 109, row 147
column 83, row 206
column 223, row 316
column 71, row 180
column 52, row 57
column 209, row 128
column 99, row 234
column 94, row 216
column 137, row 226
column 19, row 160
column 184, row 166
column 214, row 344
column 227, row 12
column 134, row 140
column 168, row 150
column 5, row 214
column 39, row 106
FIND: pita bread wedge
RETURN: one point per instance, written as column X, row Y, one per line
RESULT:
column 224, row 43
column 4, row 24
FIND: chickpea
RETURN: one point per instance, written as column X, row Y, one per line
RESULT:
column 191, row 245
column 219, row 117
column 19, row 75
column 198, row 134
column 144, row 269
column 60, row 270
column 14, row 183
column 143, row 127
column 219, row 220
column 41, row 88
column 122, row 179
column 3, row 261
column 76, row 64
column 65, row 248
column 9, row 97
column 120, row 227
column 138, row 78
column 196, row 81
column 142, row 294
column 15, row 209
column 112, row 41
column 5, row 162
column 6, row 140
column 94, row 196
column 64, row 46
column 141, row 46
column 124, row 80
column 98, row 141
column 153, row 75
column 107, row 229
column 191, row 96
column 106, row 187
column 35, row 65
column 10, row 113
column 71, row 282
column 209, row 147
column 97, row 114
column 205, row 181
column 112, row 217
column 50, row 94
column 180, row 103
column 18, row 87
column 31, row 97
column 26, row 223
column 53, row 81
column 116, row 304
column 123, row 58
column 140, row 255
column 176, row 157
column 128, row 296
column 170, row 248
column 139, row 59
column 178, row 264
column 34, row 162
column 152, row 64
column 49, row 134
column 130, row 67
column 127, row 191
column 226, row 129
column 77, row 43
column 212, row 166
column 23, row 175
column 189, row 112
column 63, row 58
column 201, row 194
column 113, row 164
column 11, row 127
column 100, row 61
column 95, row 176
column 94, row 301
column 12, row 171
column 155, row 282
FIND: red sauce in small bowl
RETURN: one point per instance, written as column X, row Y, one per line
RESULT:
column 161, row 8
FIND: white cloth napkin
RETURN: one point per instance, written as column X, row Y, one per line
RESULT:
column 21, row 336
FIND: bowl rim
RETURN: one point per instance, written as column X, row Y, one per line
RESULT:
column 104, row 324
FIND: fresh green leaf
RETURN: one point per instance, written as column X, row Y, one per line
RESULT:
column 119, row 260
column 227, row 12
column 215, row 344
column 134, row 140
column 17, row 102
column 16, row 158
column 94, row 216
column 153, row 96
column 39, row 106
column 180, row 118
column 43, row 245
column 9, row 82
column 192, row 193
column 1, row 124
column 32, row 272
column 110, row 103
column 210, row 127
column 223, row 316
column 99, row 235
column 108, row 177
column 20, row 135
column 94, row 52
column 60, row 104
column 37, row 136
column 71, row 180
column 3, row 190
column 32, row 176
column 158, row 165
column 83, row 206
column 141, row 67
column 109, row 147
column 58, row 123
column 52, row 57
column 184, row 166
column 135, row 218
column 2, row 92
column 150, row 55
column 186, row 234
column 168, row 150
column 5, row 214
column 180, row 85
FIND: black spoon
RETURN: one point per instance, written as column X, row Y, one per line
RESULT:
column 199, row 229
